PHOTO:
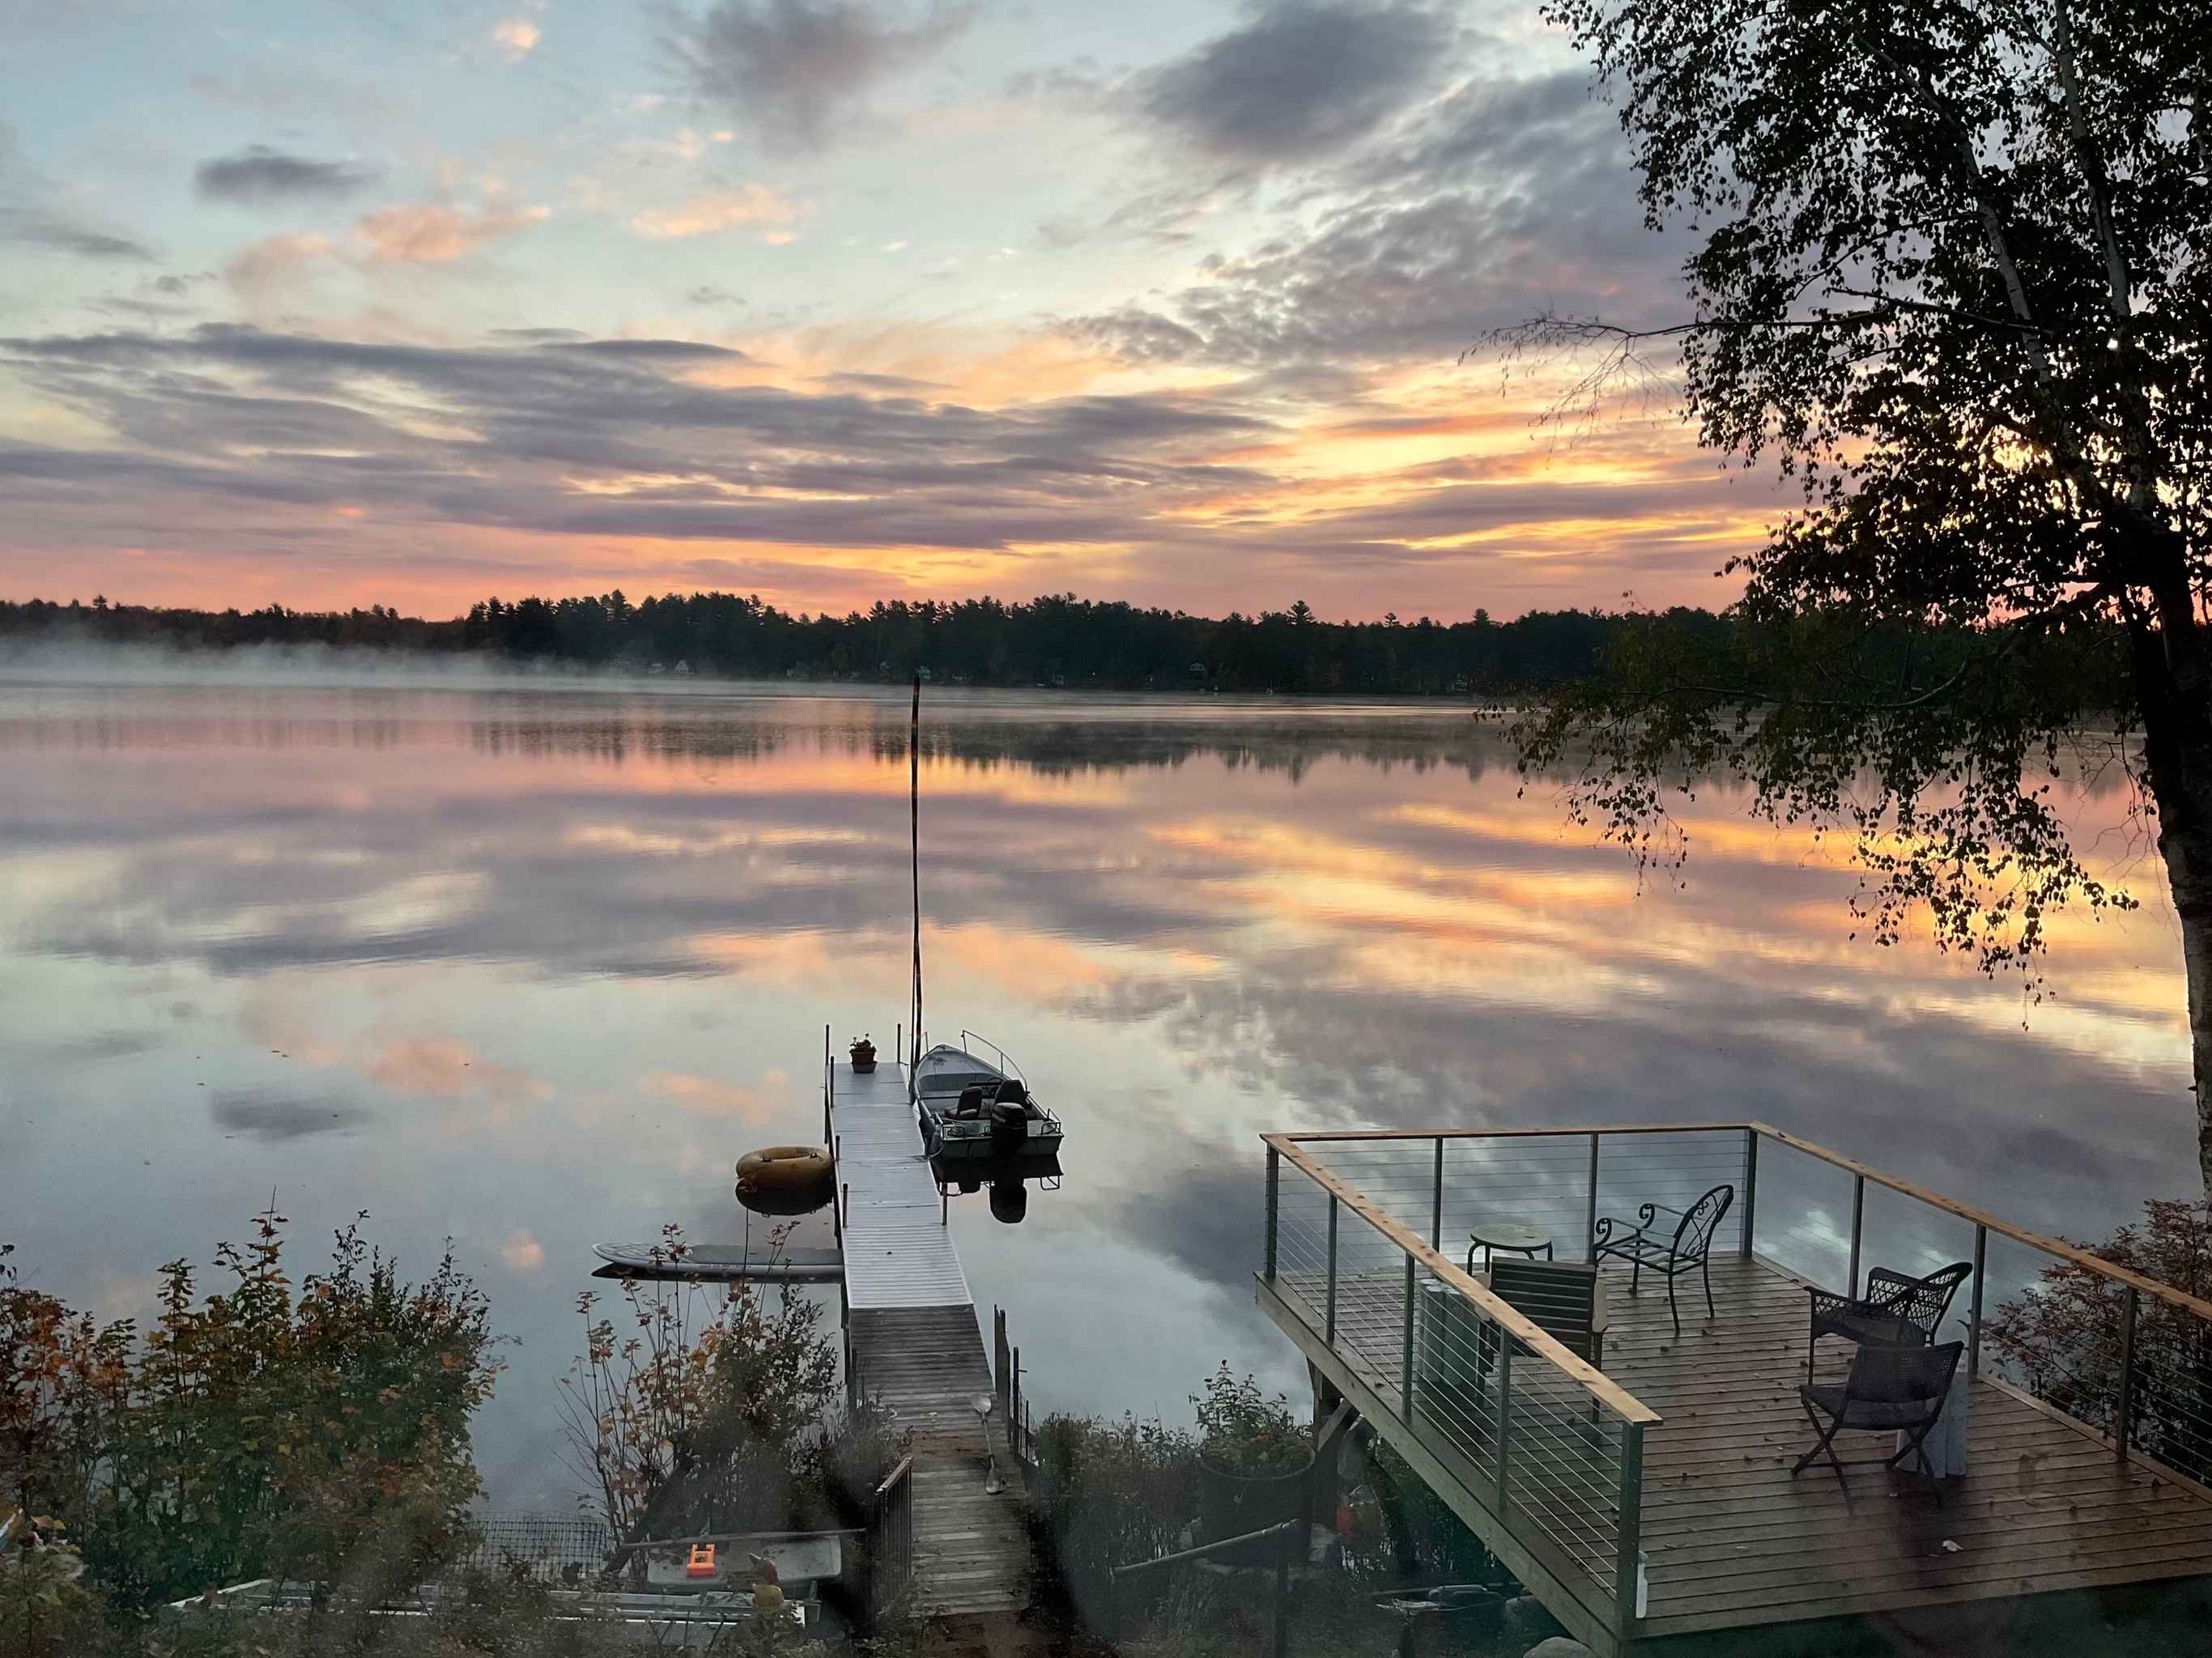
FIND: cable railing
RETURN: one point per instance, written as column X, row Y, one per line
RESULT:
column 1372, row 1237
column 1552, row 1449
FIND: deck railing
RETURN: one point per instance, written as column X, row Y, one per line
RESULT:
column 1367, row 1246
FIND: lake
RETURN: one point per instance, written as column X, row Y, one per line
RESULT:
column 531, row 965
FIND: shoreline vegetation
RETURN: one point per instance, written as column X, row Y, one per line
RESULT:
column 1056, row 641
column 317, row 1431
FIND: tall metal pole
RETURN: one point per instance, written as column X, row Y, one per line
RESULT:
column 2123, row 1416
column 1750, row 1187
column 1858, row 1216
column 914, row 824
column 1974, row 1311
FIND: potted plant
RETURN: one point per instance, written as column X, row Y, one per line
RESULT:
column 1254, row 1460
column 864, row 1056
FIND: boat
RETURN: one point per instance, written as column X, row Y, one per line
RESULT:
column 974, row 1108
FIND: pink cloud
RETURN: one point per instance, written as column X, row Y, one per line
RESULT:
column 517, row 37
column 431, row 234
column 713, row 211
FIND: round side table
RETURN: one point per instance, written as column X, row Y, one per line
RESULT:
column 1510, row 1236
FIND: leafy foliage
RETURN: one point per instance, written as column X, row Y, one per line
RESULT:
column 703, row 1410
column 2065, row 1337
column 319, row 1434
column 1243, row 1430
column 1952, row 280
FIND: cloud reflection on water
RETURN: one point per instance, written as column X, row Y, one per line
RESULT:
column 551, row 959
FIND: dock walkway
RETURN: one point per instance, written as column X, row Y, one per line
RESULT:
column 916, row 1347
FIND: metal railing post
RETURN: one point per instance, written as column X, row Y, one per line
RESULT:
column 1436, row 1203
column 1405, row 1381
column 1858, row 1213
column 1974, row 1306
column 2124, row 1418
column 1274, row 1197
column 1330, row 1335
column 1750, row 1187
column 1590, row 1208
column 1625, row 1569
column 1504, row 1414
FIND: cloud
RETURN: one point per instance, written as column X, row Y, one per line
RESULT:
column 30, row 218
column 1505, row 198
column 516, row 38
column 267, row 1115
column 794, row 71
column 1302, row 79
column 258, row 176
column 709, row 295
column 713, row 211
column 435, row 234
column 522, row 1253
column 276, row 261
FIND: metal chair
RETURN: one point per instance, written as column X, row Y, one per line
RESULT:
column 1895, row 1311
column 1891, row 1389
column 1685, row 1252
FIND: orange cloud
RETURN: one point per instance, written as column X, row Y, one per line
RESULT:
column 522, row 1253
column 704, row 1097
column 443, row 1069
column 429, row 234
column 517, row 37
column 713, row 211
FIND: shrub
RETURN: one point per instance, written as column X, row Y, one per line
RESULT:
column 1242, row 1431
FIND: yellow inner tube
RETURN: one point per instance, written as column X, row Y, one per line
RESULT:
column 783, row 1168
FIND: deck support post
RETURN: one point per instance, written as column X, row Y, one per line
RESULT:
column 1331, row 1336
column 1504, row 1414
column 1437, row 1202
column 1274, row 1197
column 2124, row 1416
column 1589, row 1205
column 1974, row 1306
column 1406, row 1357
column 1858, row 1215
column 1750, row 1187
column 1631, row 1527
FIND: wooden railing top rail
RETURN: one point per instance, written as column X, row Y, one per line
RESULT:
column 1514, row 1134
column 891, row 1480
column 1599, row 1386
column 2059, row 1246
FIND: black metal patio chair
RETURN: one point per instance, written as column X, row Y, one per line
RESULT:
column 1895, row 1311
column 1685, row 1252
column 1891, row 1389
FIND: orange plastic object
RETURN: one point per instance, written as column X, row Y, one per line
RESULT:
column 702, row 1564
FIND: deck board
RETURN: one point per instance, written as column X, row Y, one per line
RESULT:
column 1734, row 1541
column 917, row 1349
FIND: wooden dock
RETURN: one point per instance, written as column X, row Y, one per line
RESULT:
column 1736, row 1544
column 914, row 1346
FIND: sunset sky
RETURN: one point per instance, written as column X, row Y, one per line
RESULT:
column 825, row 299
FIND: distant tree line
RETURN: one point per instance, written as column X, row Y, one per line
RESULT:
column 1058, row 640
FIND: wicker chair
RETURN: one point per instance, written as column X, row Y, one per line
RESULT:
column 1685, row 1252
column 1895, row 1311
column 1891, row 1389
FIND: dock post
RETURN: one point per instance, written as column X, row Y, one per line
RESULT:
column 1858, row 1214
column 2123, row 1417
column 1631, row 1527
column 1750, row 1187
column 1283, row 1544
column 1330, row 1337
column 1274, row 1193
column 1974, row 1308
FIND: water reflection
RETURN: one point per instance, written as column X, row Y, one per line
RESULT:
column 532, row 967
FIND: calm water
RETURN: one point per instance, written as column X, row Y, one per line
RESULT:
column 531, row 968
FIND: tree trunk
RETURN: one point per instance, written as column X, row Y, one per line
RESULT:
column 2177, row 713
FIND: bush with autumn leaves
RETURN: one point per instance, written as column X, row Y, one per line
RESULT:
column 316, row 1429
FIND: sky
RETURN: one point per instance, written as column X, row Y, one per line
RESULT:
column 827, row 300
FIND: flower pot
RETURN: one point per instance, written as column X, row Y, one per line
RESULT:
column 864, row 1058
column 1232, row 1504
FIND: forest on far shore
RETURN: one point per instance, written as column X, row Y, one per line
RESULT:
column 1058, row 641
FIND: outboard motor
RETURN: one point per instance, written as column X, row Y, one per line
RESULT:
column 1009, row 1127
column 1010, row 1201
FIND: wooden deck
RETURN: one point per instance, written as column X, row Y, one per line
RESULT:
column 1733, row 1542
column 916, row 1348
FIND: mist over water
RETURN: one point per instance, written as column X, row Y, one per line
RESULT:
column 529, row 963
